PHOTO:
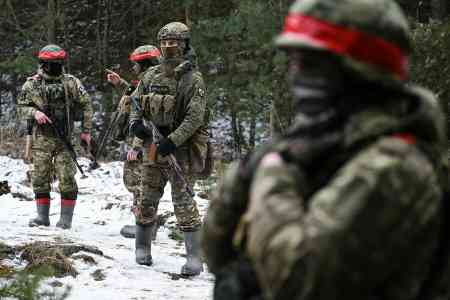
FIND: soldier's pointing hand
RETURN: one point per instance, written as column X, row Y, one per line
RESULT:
column 86, row 137
column 41, row 118
column 113, row 78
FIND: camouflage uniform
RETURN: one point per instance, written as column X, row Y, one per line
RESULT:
column 46, row 93
column 172, row 96
column 132, row 169
column 182, row 119
column 189, row 107
column 348, row 203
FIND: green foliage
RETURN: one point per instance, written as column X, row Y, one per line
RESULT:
column 431, row 60
column 20, row 65
column 26, row 286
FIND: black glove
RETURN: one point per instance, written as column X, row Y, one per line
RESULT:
column 166, row 147
column 138, row 129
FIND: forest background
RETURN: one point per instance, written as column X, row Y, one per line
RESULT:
column 245, row 74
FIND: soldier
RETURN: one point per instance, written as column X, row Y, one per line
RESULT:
column 51, row 92
column 348, row 204
column 172, row 96
column 143, row 58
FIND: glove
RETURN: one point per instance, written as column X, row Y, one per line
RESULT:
column 138, row 129
column 166, row 147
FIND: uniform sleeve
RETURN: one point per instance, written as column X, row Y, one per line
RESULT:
column 84, row 100
column 136, row 115
column 355, row 234
column 221, row 220
column 194, row 114
column 122, row 87
column 25, row 105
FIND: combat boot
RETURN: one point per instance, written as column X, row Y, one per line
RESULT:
column 43, row 209
column 67, row 208
column 194, row 264
column 143, row 244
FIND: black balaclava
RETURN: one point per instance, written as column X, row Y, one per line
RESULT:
column 53, row 69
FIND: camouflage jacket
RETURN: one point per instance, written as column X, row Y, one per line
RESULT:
column 121, row 133
column 178, row 106
column 54, row 96
column 353, row 212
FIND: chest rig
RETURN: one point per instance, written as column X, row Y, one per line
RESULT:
column 55, row 102
column 159, row 101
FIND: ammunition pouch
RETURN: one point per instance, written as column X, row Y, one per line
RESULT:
column 161, row 108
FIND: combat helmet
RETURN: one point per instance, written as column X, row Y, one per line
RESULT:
column 174, row 31
column 370, row 37
column 146, row 52
column 52, row 53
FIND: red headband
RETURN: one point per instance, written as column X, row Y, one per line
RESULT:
column 355, row 44
column 146, row 55
column 52, row 55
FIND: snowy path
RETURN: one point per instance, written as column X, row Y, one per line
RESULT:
column 103, row 207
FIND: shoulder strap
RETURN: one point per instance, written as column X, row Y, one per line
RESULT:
column 68, row 102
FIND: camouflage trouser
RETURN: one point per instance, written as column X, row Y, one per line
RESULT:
column 154, row 179
column 132, row 178
column 50, row 158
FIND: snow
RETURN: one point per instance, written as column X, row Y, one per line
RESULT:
column 103, row 207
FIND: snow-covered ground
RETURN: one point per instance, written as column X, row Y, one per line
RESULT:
column 103, row 207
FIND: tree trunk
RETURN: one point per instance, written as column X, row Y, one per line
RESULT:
column 51, row 21
column 252, row 137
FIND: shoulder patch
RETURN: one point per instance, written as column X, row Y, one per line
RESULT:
column 82, row 89
column 201, row 92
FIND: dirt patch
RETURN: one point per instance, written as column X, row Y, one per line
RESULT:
column 54, row 256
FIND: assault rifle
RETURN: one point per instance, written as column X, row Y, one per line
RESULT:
column 156, row 137
column 62, row 138
column 111, row 127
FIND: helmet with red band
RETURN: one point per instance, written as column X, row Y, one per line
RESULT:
column 52, row 53
column 370, row 37
column 145, row 52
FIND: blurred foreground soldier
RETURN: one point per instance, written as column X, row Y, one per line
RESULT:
column 143, row 58
column 51, row 98
column 348, row 204
column 172, row 97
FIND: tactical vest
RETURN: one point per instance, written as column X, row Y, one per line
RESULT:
column 159, row 100
column 166, row 99
column 55, row 98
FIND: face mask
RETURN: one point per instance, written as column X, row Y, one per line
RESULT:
column 315, row 81
column 171, row 52
column 52, row 68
